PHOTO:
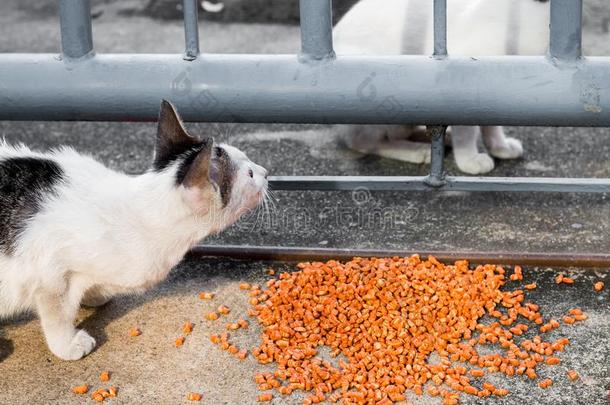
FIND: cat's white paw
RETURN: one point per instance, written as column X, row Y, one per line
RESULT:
column 81, row 345
column 511, row 149
column 479, row 164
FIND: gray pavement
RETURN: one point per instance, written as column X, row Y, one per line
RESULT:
column 150, row 370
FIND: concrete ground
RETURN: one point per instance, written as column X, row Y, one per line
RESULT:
column 149, row 369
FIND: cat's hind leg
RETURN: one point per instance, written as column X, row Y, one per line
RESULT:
column 94, row 298
column 403, row 150
column 466, row 153
column 57, row 309
column 499, row 145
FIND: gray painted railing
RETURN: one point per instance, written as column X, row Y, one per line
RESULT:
column 316, row 86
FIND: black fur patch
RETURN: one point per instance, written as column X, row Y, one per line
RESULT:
column 223, row 173
column 222, row 169
column 24, row 181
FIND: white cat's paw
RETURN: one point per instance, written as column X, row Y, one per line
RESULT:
column 511, row 149
column 479, row 164
column 81, row 345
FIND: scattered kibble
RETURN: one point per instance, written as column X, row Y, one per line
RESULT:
column 187, row 328
column 266, row 397
column 112, row 392
column 242, row 354
column 80, row 389
column 517, row 275
column 194, row 396
column 244, row 286
column 572, row 375
column 97, row 396
column 215, row 339
column 223, row 309
column 206, row 296
column 530, row 286
column 212, row 316
column 105, row 376
column 567, row 280
column 133, row 332
column 547, row 382
column 243, row 323
column 559, row 279
column 598, row 286
column 179, row 341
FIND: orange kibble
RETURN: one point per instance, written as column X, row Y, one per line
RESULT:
column 530, row 286
column 215, row 339
column 242, row 354
column 244, row 286
column 113, row 392
column 212, row 316
column 187, row 328
column 105, row 376
column 559, row 279
column 232, row 326
column 223, row 309
column 133, row 332
column 179, row 341
column 97, row 397
column 206, row 296
column 567, row 280
column 572, row 375
column 568, row 319
column 233, row 349
column 194, row 396
column 598, row 286
column 547, row 382
column 266, row 397
column 80, row 389
column 477, row 373
column 551, row 361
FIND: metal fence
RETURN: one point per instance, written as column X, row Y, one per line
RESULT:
column 315, row 86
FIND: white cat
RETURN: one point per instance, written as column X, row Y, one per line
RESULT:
column 474, row 28
column 73, row 231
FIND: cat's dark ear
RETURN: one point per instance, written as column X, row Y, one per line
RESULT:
column 172, row 138
column 197, row 168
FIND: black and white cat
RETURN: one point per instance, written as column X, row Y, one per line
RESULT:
column 74, row 232
column 474, row 28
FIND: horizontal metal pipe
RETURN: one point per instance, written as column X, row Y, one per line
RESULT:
column 510, row 90
column 451, row 183
column 566, row 29
column 191, row 29
column 309, row 254
column 316, row 30
column 75, row 24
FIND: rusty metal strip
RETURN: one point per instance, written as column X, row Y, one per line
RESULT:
column 245, row 252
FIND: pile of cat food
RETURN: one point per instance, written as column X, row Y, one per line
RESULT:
column 397, row 324
column 369, row 330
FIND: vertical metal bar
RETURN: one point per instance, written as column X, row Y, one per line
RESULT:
column 75, row 23
column 440, row 27
column 436, row 178
column 566, row 29
column 316, row 29
column 191, row 29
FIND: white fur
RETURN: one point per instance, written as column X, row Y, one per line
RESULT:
column 108, row 233
column 474, row 28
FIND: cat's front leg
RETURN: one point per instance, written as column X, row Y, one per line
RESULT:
column 57, row 313
column 466, row 153
column 500, row 145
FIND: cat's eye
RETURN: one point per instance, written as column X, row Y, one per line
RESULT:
column 250, row 173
